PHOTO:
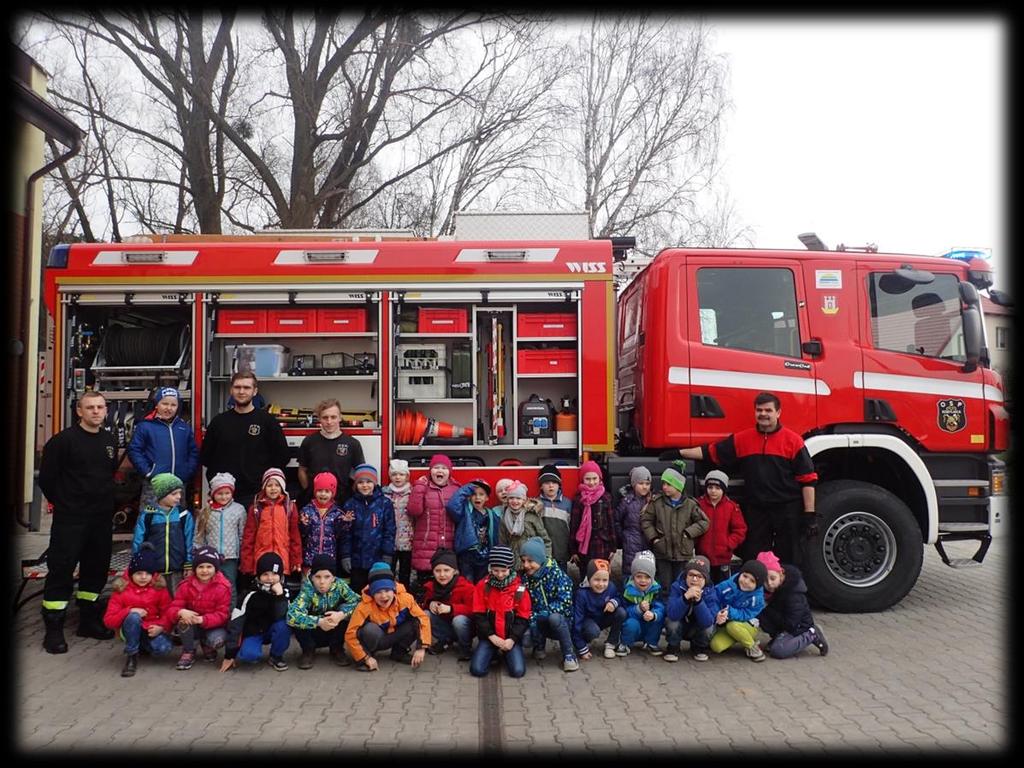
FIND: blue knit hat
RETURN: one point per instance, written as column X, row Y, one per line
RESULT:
column 144, row 560
column 534, row 549
column 163, row 392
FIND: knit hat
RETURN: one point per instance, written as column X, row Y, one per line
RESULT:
column 482, row 485
column 770, row 561
column 639, row 475
column 398, row 465
column 163, row 392
column 549, row 474
column 502, row 557
column 674, row 478
column 444, row 557
column 440, row 458
column 323, row 562
column 273, row 474
column 380, row 578
column 380, row 568
column 701, row 565
column 165, row 483
column 501, row 485
column 597, row 564
column 589, row 466
column 222, row 480
column 534, row 549
column 643, row 563
column 516, row 490
column 207, row 555
column 717, row 476
column 144, row 560
column 325, row 480
column 756, row 569
column 364, row 472
column 270, row 561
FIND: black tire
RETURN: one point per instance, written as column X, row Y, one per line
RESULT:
column 869, row 551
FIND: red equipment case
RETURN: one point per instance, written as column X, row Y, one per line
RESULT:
column 543, row 324
column 547, row 361
column 242, row 321
column 442, row 320
column 341, row 320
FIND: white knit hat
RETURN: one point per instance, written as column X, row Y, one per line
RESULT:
column 398, row 465
column 222, row 480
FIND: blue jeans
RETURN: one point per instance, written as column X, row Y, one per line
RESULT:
column 515, row 662
column 555, row 626
column 637, row 629
column 311, row 639
column 592, row 628
column 459, row 629
column 135, row 637
column 230, row 570
column 677, row 631
column 214, row 638
column 784, row 645
column 279, row 636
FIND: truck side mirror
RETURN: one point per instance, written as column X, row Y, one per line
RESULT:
column 812, row 347
column 972, row 338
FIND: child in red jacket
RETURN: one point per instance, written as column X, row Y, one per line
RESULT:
column 728, row 528
column 201, row 608
column 502, row 610
column 272, row 526
column 137, row 607
column 448, row 601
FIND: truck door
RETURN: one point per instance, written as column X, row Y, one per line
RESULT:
column 914, row 354
column 747, row 319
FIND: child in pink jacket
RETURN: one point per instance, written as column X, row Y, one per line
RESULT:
column 432, row 526
column 201, row 608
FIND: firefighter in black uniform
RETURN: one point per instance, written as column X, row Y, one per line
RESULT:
column 77, row 476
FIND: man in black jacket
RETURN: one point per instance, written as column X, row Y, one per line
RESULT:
column 244, row 440
column 77, row 476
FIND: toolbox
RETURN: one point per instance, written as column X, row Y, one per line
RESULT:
column 442, row 320
column 291, row 320
column 341, row 320
column 241, row 321
column 544, row 324
column 546, row 361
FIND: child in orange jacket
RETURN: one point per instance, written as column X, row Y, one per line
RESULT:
column 272, row 525
column 387, row 617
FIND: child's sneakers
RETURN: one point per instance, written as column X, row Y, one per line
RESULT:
column 700, row 656
column 671, row 654
column 609, row 651
column 818, row 638
column 209, row 652
column 338, row 657
column 570, row 664
column 306, row 659
column 755, row 653
column 278, row 663
column 186, row 660
column 539, row 654
column 622, row 649
column 653, row 649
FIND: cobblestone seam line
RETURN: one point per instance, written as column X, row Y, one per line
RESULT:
column 491, row 740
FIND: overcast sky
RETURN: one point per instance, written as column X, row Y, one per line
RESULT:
column 887, row 131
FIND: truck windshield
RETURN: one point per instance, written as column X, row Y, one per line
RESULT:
column 917, row 319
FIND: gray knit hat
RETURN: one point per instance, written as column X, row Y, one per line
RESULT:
column 639, row 475
column 644, row 563
column 717, row 475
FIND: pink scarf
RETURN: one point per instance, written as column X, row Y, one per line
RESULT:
column 588, row 496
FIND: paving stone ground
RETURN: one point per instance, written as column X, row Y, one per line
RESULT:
column 927, row 677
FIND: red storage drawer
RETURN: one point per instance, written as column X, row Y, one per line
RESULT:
column 291, row 320
column 547, row 361
column 341, row 320
column 437, row 320
column 242, row 321
column 541, row 324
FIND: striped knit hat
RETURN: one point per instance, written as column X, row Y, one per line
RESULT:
column 501, row 557
column 364, row 472
column 274, row 474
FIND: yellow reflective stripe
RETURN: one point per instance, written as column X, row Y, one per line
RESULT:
column 91, row 597
column 55, row 605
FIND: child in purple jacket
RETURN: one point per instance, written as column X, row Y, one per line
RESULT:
column 627, row 516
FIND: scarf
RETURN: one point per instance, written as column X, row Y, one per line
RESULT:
column 496, row 583
column 588, row 496
column 515, row 524
column 444, row 594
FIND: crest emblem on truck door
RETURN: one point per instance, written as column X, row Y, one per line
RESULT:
column 952, row 414
column 829, row 305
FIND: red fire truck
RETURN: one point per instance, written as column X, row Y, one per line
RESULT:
column 508, row 355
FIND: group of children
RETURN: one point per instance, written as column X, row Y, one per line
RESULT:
column 498, row 574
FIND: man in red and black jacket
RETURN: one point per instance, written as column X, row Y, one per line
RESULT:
column 778, row 477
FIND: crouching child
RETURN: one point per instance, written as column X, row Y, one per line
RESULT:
column 742, row 598
column 551, row 600
column 786, row 617
column 448, row 602
column 386, row 618
column 261, row 618
column 691, row 611
column 201, row 608
column 319, row 615
column 137, row 607
column 501, row 608
column 597, row 608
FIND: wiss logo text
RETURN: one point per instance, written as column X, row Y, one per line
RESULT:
column 586, row 266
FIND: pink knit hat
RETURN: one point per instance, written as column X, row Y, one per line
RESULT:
column 770, row 561
column 440, row 458
column 590, row 466
column 274, row 474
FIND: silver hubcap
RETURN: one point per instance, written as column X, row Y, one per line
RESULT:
column 859, row 549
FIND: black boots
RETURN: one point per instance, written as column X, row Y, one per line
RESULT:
column 53, row 641
column 131, row 663
column 90, row 621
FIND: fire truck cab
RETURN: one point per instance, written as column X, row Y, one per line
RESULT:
column 880, row 363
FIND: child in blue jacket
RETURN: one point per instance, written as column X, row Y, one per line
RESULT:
column 692, row 607
column 645, row 609
column 369, row 535
column 163, row 442
column 476, row 528
column 742, row 598
column 551, row 599
column 596, row 608
column 168, row 528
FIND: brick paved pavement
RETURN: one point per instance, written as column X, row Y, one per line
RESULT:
column 929, row 676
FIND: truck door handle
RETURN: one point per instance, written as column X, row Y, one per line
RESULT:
column 876, row 409
column 705, row 407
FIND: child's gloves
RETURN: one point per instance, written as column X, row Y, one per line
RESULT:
column 670, row 455
column 346, row 564
column 809, row 524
